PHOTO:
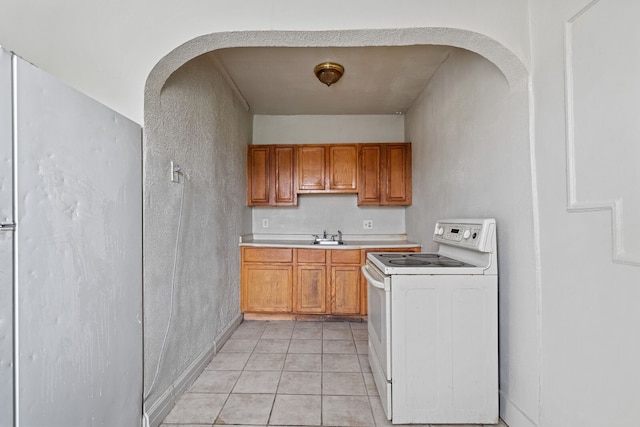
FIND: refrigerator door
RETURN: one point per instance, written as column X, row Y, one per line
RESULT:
column 79, row 258
column 6, row 152
column 6, row 244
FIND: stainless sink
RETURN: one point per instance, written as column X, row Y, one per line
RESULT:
column 328, row 239
column 328, row 242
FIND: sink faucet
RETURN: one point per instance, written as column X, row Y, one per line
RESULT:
column 324, row 234
column 339, row 236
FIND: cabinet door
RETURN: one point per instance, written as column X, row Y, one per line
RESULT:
column 370, row 162
column 258, row 175
column 267, row 288
column 397, row 175
column 311, row 168
column 345, row 289
column 343, row 168
column 310, row 290
column 284, row 176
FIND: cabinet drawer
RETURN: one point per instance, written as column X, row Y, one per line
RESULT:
column 312, row 256
column 267, row 254
column 349, row 256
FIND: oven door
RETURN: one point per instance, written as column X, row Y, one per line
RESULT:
column 379, row 327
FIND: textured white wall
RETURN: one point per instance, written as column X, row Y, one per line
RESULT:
column 471, row 159
column 199, row 124
column 590, row 316
column 327, row 129
column 316, row 213
column 112, row 62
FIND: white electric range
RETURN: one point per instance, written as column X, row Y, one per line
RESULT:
column 433, row 327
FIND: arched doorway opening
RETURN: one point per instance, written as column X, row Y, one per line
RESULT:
column 211, row 204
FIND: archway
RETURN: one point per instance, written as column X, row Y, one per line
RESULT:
column 505, row 60
column 174, row 370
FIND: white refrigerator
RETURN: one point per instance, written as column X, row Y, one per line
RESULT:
column 70, row 256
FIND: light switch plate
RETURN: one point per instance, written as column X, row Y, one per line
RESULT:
column 175, row 172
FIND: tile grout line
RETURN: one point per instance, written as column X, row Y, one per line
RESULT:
column 244, row 365
column 323, row 369
column 323, row 358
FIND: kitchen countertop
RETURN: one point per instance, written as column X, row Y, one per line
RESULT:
column 305, row 241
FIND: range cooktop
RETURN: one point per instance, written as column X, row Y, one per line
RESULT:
column 419, row 260
column 464, row 247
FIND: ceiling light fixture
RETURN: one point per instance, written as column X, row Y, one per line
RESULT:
column 328, row 72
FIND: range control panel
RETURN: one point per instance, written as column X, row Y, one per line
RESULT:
column 468, row 233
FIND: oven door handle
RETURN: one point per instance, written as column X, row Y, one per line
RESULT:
column 372, row 280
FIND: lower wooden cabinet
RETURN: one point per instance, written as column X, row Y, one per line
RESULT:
column 310, row 286
column 310, row 290
column 345, row 289
column 345, row 281
column 305, row 281
column 266, row 278
column 267, row 288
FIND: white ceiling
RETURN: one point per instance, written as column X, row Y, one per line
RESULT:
column 377, row 80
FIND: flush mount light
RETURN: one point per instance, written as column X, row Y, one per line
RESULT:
column 328, row 72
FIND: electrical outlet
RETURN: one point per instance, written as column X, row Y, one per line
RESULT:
column 265, row 222
column 367, row 224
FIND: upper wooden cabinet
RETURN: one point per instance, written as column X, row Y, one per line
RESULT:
column 380, row 173
column 328, row 168
column 396, row 175
column 258, row 175
column 271, row 175
column 369, row 174
column 385, row 174
column 343, row 168
column 312, row 168
column 284, row 175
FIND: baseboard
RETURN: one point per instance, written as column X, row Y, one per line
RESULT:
column 305, row 317
column 164, row 404
column 512, row 415
column 228, row 331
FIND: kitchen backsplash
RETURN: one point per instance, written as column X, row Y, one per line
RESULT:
column 316, row 213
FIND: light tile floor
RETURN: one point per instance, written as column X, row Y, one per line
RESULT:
column 280, row 373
